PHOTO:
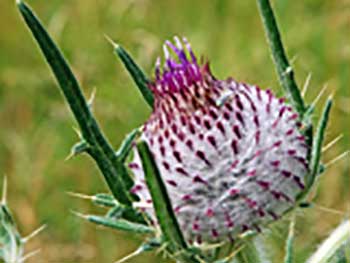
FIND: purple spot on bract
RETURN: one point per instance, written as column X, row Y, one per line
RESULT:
column 214, row 233
column 234, row 191
column 201, row 155
column 209, row 212
column 177, row 156
column 181, row 171
column 186, row 197
column 298, row 181
column 134, row 166
column 212, row 141
column 286, row 173
column 198, row 179
column 220, row 127
column 166, row 165
column 172, row 183
column 234, row 146
column 135, row 189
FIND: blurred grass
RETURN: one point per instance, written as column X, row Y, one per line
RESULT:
column 36, row 128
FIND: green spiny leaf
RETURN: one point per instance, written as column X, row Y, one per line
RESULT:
column 136, row 73
column 98, row 147
column 118, row 224
column 126, row 145
column 317, row 144
column 162, row 206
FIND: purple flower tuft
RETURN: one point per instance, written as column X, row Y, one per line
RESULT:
column 231, row 154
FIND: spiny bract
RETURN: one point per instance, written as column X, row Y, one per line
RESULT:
column 231, row 154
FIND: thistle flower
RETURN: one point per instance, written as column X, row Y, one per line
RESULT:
column 231, row 154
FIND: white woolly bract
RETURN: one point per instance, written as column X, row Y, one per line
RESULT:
column 231, row 155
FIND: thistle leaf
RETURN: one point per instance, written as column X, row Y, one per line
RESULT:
column 317, row 144
column 97, row 146
column 136, row 73
column 118, row 224
column 126, row 145
column 162, row 204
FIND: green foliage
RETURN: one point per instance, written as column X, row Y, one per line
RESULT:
column 11, row 241
column 136, row 73
column 244, row 59
column 94, row 141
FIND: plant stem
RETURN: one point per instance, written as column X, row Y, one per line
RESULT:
column 332, row 244
column 98, row 147
column 289, row 244
column 284, row 70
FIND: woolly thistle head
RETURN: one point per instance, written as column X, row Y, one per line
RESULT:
column 231, row 154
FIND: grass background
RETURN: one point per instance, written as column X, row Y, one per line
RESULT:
column 36, row 128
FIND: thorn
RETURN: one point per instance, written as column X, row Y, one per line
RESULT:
column 293, row 59
column 325, row 86
column 29, row 255
column 81, row 215
column 34, row 233
column 91, row 100
column 306, row 84
column 115, row 45
column 79, row 195
column 78, row 132
column 330, row 144
column 339, row 157
column 329, row 210
column 69, row 156
column 288, row 70
column 4, row 191
column 131, row 255
column 233, row 254
column 78, row 148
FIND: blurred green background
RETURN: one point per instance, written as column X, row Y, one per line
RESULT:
column 36, row 127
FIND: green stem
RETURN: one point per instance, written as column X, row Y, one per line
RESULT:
column 113, row 170
column 283, row 68
column 289, row 244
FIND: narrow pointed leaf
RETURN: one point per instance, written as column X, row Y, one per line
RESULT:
column 136, row 73
column 162, row 206
column 317, row 143
column 126, row 145
column 114, row 171
column 119, row 224
column 161, row 201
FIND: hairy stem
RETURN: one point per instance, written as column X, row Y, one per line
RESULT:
column 284, row 70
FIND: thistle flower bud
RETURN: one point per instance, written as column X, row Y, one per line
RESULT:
column 231, row 154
